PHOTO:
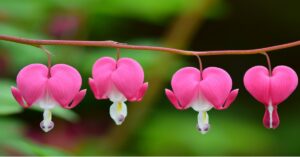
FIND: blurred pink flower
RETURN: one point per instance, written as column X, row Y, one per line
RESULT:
column 271, row 89
column 64, row 25
column 57, row 86
column 118, row 81
column 212, row 90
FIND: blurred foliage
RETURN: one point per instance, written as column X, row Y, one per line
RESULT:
column 227, row 135
column 13, row 142
column 8, row 105
column 146, row 10
column 163, row 131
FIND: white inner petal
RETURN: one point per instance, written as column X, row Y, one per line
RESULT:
column 115, row 96
column 47, row 102
column 118, row 112
column 203, row 124
column 47, row 124
column 201, row 105
column 270, row 109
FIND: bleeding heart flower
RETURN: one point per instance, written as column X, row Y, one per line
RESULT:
column 48, row 88
column 119, row 81
column 271, row 89
column 201, row 91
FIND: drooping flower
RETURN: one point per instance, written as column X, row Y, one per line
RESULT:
column 118, row 81
column 270, row 89
column 201, row 91
column 48, row 88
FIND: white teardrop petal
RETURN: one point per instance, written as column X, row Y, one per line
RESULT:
column 203, row 122
column 118, row 112
column 47, row 124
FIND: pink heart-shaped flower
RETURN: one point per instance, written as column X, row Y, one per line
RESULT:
column 119, row 80
column 271, row 89
column 36, row 82
column 126, row 75
column 202, row 91
column 275, row 88
column 48, row 87
column 215, row 87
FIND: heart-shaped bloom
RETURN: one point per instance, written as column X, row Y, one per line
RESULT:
column 48, row 88
column 271, row 89
column 202, row 91
column 118, row 81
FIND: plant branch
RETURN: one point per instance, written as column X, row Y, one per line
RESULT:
column 114, row 44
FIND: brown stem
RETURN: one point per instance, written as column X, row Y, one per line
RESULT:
column 269, row 63
column 118, row 53
column 48, row 53
column 114, row 44
column 200, row 65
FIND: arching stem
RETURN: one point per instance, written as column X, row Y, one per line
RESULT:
column 269, row 63
column 142, row 47
column 200, row 65
column 48, row 53
column 118, row 53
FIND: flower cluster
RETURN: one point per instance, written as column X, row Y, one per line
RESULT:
column 122, row 80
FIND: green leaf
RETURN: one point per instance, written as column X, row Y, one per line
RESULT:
column 13, row 129
column 8, row 105
column 145, row 10
column 28, row 147
column 29, row 15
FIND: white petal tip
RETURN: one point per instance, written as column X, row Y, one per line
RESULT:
column 119, row 120
column 203, row 129
column 46, row 126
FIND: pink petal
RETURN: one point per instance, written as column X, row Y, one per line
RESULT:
column 257, row 82
column 64, row 83
column 216, row 86
column 284, row 81
column 171, row 96
column 232, row 96
column 185, row 85
column 77, row 99
column 141, row 92
column 275, row 118
column 102, row 71
column 31, row 82
column 94, row 88
column 17, row 95
column 128, row 77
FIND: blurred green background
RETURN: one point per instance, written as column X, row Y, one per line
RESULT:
column 153, row 126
